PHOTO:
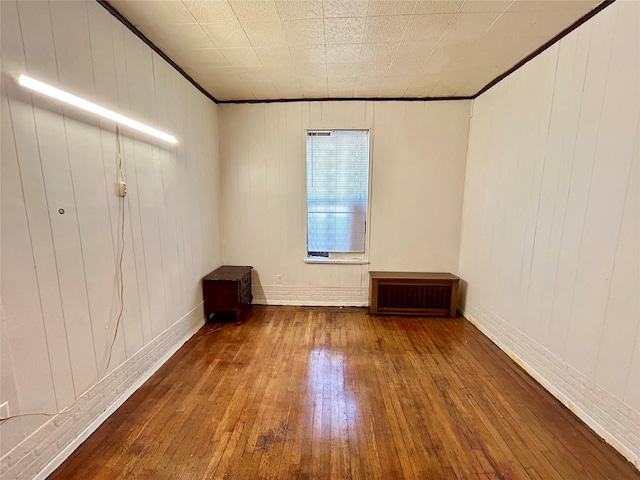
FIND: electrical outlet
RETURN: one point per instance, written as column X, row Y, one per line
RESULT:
column 4, row 410
column 122, row 189
column 278, row 279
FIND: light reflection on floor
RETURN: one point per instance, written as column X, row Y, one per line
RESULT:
column 330, row 400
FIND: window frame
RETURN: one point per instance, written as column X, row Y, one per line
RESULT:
column 345, row 258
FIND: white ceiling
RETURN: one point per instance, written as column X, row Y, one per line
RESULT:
column 250, row 49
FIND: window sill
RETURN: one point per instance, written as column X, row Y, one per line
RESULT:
column 343, row 261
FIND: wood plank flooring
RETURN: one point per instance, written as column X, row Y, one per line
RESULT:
column 333, row 393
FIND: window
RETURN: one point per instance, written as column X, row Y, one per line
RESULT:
column 337, row 193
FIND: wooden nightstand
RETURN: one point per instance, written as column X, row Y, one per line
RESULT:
column 227, row 291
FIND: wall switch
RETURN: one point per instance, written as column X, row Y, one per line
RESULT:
column 278, row 279
column 122, row 189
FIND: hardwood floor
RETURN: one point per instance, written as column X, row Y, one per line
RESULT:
column 318, row 393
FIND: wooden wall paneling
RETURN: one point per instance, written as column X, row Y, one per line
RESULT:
column 104, row 75
column 22, row 310
column 195, row 233
column 569, row 309
column 587, row 300
column 256, row 157
column 616, row 346
column 148, row 190
column 503, row 245
column 188, row 201
column 382, row 184
column 179, row 185
column 21, row 301
column 135, row 171
column 484, row 228
column 273, row 195
column 404, row 200
column 506, row 161
column 60, row 306
column 229, row 182
column 75, row 68
column 593, row 92
column 212, row 190
column 538, row 222
column 571, row 68
column 194, row 227
column 131, row 324
column 609, row 186
column 244, row 177
column 495, row 197
column 142, row 99
column 199, row 173
column 315, row 114
column 194, row 245
column 477, row 141
column 632, row 388
column 55, row 167
column 332, row 115
column 280, row 245
column 484, row 203
column 424, row 161
column 490, row 199
column 298, row 113
column 44, row 257
column 542, row 73
column 162, row 159
column 172, row 188
column 531, row 174
column 446, row 161
column 398, row 216
column 544, row 262
column 559, row 320
column 11, row 434
column 204, row 178
column 40, row 228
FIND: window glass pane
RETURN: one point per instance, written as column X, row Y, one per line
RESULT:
column 337, row 190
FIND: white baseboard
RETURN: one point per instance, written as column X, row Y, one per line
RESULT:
column 616, row 422
column 22, row 463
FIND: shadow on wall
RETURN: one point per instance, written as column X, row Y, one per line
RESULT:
column 256, row 285
column 462, row 295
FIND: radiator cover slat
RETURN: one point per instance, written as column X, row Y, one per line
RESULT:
column 413, row 293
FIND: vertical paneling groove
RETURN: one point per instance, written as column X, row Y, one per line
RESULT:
column 70, row 47
column 46, row 269
column 59, row 284
column 570, row 311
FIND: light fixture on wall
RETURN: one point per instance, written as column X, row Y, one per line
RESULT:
column 63, row 96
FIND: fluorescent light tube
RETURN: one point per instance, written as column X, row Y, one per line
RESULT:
column 58, row 94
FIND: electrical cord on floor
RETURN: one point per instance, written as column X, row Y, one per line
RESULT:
column 212, row 329
column 119, row 319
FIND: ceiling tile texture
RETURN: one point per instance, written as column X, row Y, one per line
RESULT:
column 267, row 50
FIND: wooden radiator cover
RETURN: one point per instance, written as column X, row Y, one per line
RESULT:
column 413, row 293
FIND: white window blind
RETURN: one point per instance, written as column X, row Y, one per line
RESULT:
column 337, row 190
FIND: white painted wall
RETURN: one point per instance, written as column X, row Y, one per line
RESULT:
column 58, row 284
column 418, row 156
column 551, row 234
